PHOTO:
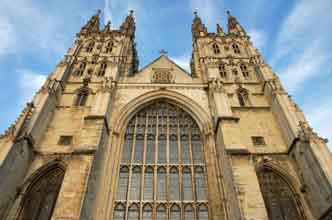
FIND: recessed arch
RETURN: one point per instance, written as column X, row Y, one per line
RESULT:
column 279, row 193
column 40, row 192
column 201, row 117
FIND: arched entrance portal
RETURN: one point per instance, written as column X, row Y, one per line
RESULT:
column 162, row 170
column 279, row 198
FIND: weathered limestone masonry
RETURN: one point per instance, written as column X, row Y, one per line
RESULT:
column 103, row 140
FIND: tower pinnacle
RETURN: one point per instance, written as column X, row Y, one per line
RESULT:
column 128, row 27
column 234, row 26
column 198, row 28
column 92, row 25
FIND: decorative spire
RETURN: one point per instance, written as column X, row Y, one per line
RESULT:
column 107, row 28
column 128, row 27
column 198, row 27
column 234, row 26
column 92, row 25
column 220, row 30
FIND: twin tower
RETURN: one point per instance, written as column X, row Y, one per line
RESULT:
column 103, row 140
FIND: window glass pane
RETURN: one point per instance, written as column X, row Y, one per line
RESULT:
column 189, row 213
column 197, row 148
column 161, row 184
column 161, row 213
column 148, row 184
column 185, row 149
column 175, row 213
column 127, row 148
column 133, row 213
column 150, row 151
column 119, row 212
column 174, row 184
column 139, row 147
column 173, row 149
column 203, row 213
column 162, row 149
column 147, row 212
column 135, row 184
column 123, row 183
column 187, row 186
column 200, row 184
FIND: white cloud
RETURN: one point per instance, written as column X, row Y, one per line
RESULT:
column 258, row 38
column 303, row 46
column 183, row 61
column 29, row 83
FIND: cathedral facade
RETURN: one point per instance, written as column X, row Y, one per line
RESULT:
column 103, row 140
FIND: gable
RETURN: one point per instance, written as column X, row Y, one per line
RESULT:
column 161, row 70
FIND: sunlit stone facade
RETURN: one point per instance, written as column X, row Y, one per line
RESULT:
column 104, row 140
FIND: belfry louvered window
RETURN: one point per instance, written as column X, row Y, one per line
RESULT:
column 162, row 170
column 279, row 198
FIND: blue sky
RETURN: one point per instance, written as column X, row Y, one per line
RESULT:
column 294, row 36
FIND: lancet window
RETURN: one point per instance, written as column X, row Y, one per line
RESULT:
column 236, row 48
column 279, row 198
column 90, row 47
column 81, row 69
column 222, row 71
column 81, row 97
column 216, row 48
column 243, row 97
column 109, row 47
column 244, row 70
column 162, row 169
column 102, row 70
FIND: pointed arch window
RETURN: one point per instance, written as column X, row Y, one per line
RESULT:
column 200, row 183
column 147, row 212
column 203, row 213
column 135, row 188
column 174, row 186
column 161, row 212
column 148, row 184
column 279, row 198
column 109, row 47
column 90, row 47
column 222, row 71
column 175, row 212
column 187, row 184
column 40, row 198
column 244, row 70
column 188, row 212
column 102, row 70
column 81, row 69
column 243, row 97
column 236, row 48
column 81, row 97
column 162, row 154
column 119, row 212
column 133, row 213
column 216, row 49
column 123, row 183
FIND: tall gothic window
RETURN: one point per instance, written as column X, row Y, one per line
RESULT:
column 81, row 69
column 102, row 70
column 236, row 48
column 109, row 47
column 278, row 196
column 243, row 97
column 216, row 49
column 90, row 47
column 40, row 198
column 244, row 70
column 162, row 170
column 222, row 70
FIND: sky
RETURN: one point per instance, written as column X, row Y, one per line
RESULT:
column 294, row 37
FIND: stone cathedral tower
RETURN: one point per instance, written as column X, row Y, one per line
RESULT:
column 102, row 140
